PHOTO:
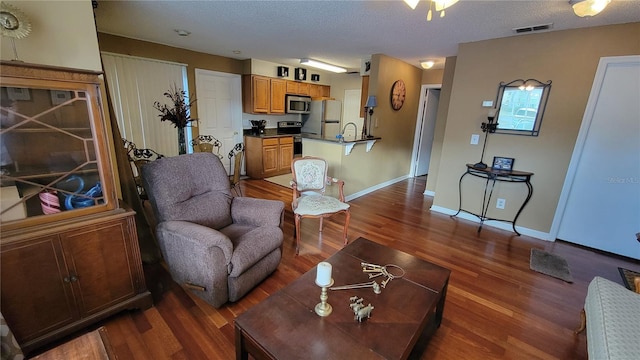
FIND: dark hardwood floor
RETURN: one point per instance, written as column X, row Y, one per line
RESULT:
column 496, row 307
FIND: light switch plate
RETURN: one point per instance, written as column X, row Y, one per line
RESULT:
column 487, row 103
column 474, row 139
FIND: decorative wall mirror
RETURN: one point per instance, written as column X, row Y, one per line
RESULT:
column 521, row 105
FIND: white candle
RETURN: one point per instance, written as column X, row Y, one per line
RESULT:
column 492, row 113
column 323, row 275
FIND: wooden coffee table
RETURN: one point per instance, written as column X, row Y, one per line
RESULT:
column 285, row 325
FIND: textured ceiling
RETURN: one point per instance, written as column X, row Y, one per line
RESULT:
column 340, row 32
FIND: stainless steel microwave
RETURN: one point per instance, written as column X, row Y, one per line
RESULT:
column 298, row 104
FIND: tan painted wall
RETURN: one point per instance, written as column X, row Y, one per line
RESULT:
column 393, row 152
column 433, row 76
column 568, row 58
column 63, row 33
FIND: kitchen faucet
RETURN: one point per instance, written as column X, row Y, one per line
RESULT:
column 355, row 129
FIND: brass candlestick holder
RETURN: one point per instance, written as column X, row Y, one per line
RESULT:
column 323, row 308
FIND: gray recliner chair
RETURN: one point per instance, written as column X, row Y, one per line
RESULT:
column 215, row 244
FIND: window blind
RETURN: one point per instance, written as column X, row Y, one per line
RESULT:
column 134, row 85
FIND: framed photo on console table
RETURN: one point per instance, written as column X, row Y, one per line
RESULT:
column 502, row 163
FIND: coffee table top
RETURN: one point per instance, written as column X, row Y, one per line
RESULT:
column 286, row 327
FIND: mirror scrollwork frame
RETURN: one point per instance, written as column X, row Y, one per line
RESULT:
column 521, row 105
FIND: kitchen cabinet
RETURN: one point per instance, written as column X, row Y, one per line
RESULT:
column 69, row 253
column 256, row 94
column 297, row 88
column 263, row 95
column 319, row 91
column 278, row 91
column 269, row 156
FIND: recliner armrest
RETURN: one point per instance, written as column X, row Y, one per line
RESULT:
column 193, row 238
column 257, row 212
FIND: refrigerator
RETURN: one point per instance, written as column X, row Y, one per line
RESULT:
column 323, row 118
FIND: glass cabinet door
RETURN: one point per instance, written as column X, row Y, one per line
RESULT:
column 51, row 163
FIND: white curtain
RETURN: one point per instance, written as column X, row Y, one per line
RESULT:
column 134, row 85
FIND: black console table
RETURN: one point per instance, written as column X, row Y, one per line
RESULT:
column 491, row 176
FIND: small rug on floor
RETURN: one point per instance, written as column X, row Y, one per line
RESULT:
column 282, row 180
column 550, row 264
column 628, row 276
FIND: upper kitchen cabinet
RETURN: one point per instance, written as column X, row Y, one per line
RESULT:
column 278, row 90
column 263, row 95
column 297, row 88
column 319, row 91
column 54, row 156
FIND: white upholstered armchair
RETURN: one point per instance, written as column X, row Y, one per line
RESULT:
column 309, row 200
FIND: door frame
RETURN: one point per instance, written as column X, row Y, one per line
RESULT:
column 420, row 124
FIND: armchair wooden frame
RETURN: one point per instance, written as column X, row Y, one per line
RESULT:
column 297, row 194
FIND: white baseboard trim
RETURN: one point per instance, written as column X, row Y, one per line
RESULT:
column 374, row 188
column 496, row 224
column 429, row 193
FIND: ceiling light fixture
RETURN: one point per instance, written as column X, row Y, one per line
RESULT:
column 427, row 64
column 323, row 66
column 182, row 32
column 441, row 5
column 584, row 8
column 412, row 3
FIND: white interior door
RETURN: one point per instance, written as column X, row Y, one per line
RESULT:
column 351, row 113
column 219, row 102
column 426, row 131
column 601, row 195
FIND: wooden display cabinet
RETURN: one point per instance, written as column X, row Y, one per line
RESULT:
column 69, row 251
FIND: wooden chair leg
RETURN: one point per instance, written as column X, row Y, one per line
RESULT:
column 297, row 236
column 583, row 322
column 346, row 225
column 321, row 218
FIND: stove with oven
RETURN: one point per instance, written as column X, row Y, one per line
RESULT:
column 292, row 128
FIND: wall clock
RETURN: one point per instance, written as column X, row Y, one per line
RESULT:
column 398, row 94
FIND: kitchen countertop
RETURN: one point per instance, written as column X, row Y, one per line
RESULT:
column 268, row 133
column 336, row 141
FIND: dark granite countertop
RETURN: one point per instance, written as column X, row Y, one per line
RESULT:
column 268, row 133
column 337, row 141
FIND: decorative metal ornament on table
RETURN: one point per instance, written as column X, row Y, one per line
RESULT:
column 360, row 311
column 374, row 270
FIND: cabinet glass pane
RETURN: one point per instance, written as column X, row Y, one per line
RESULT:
column 47, row 152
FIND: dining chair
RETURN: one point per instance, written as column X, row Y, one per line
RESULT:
column 309, row 184
column 137, row 159
column 235, row 166
column 207, row 143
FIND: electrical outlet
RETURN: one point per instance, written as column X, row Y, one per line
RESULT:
column 501, row 203
column 474, row 139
